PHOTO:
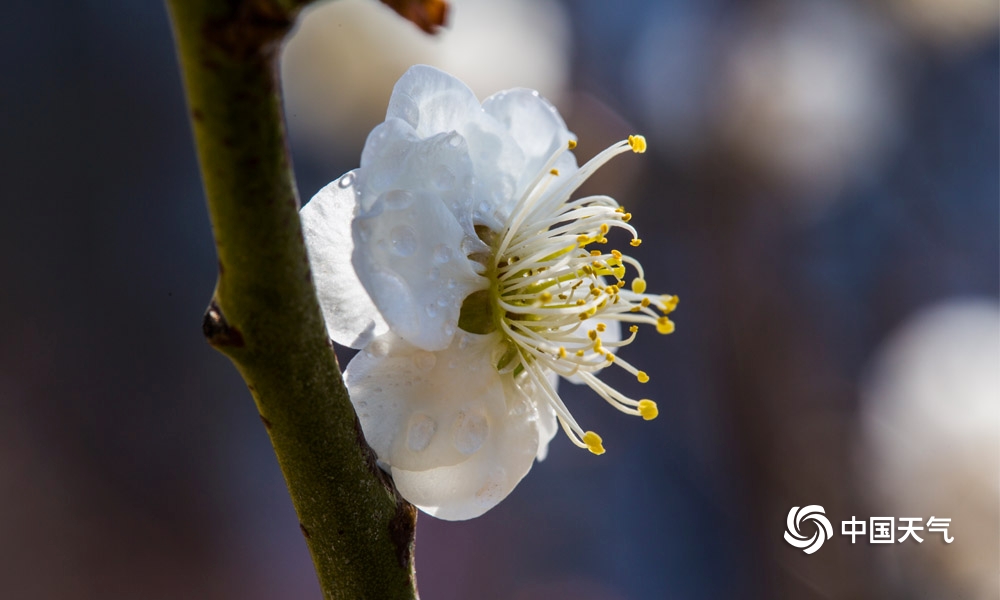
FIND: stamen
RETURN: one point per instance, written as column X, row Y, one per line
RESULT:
column 540, row 267
column 648, row 410
column 594, row 442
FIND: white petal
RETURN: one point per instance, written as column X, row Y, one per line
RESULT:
column 351, row 317
column 432, row 101
column 536, row 126
column 408, row 254
column 470, row 488
column 420, row 410
column 395, row 157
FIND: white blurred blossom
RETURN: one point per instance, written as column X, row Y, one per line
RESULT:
column 809, row 94
column 339, row 66
column 931, row 417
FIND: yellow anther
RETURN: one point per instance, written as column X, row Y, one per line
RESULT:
column 639, row 285
column 602, row 240
column 616, row 254
column 635, row 242
column 583, row 317
column 605, row 228
column 610, row 357
column 597, row 345
column 611, row 289
column 627, row 217
column 642, row 377
column 579, row 353
column 594, row 442
column 601, row 327
column 554, row 172
column 592, row 334
column 595, row 292
column 670, row 304
column 648, row 410
column 571, row 144
column 582, row 240
column 562, row 352
column 645, row 302
column 664, row 325
column 620, row 209
column 545, row 296
column 595, row 252
column 638, row 143
column 633, row 329
column 634, row 309
column 581, row 302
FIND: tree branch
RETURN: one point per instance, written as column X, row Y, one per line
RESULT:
column 264, row 314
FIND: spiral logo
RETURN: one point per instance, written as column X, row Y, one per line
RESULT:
column 794, row 535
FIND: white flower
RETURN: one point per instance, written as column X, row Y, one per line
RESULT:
column 455, row 258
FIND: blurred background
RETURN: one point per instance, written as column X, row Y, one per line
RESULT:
column 821, row 192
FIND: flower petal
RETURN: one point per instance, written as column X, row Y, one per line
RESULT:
column 408, row 255
column 470, row 488
column 536, row 126
column 351, row 317
column 420, row 410
column 432, row 101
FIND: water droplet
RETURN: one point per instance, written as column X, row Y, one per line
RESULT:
column 442, row 254
column 431, row 310
column 455, row 140
column 397, row 199
column 449, row 330
column 420, row 432
column 463, row 342
column 434, row 274
column 451, row 284
column 424, row 361
column 469, row 431
column 404, row 240
column 364, row 227
column 346, row 181
column 377, row 348
column 443, row 301
column 443, row 178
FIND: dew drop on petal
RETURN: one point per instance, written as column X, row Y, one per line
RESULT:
column 345, row 181
column 364, row 228
column 455, row 140
column 469, row 431
column 434, row 274
column 404, row 240
column 443, row 178
column 442, row 254
column 431, row 310
column 377, row 349
column 463, row 342
column 443, row 301
column 419, row 432
column 449, row 330
column 451, row 284
column 397, row 199
column 424, row 361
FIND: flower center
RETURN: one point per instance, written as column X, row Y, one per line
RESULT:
column 555, row 287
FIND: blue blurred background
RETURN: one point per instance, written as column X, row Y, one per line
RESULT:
column 821, row 192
